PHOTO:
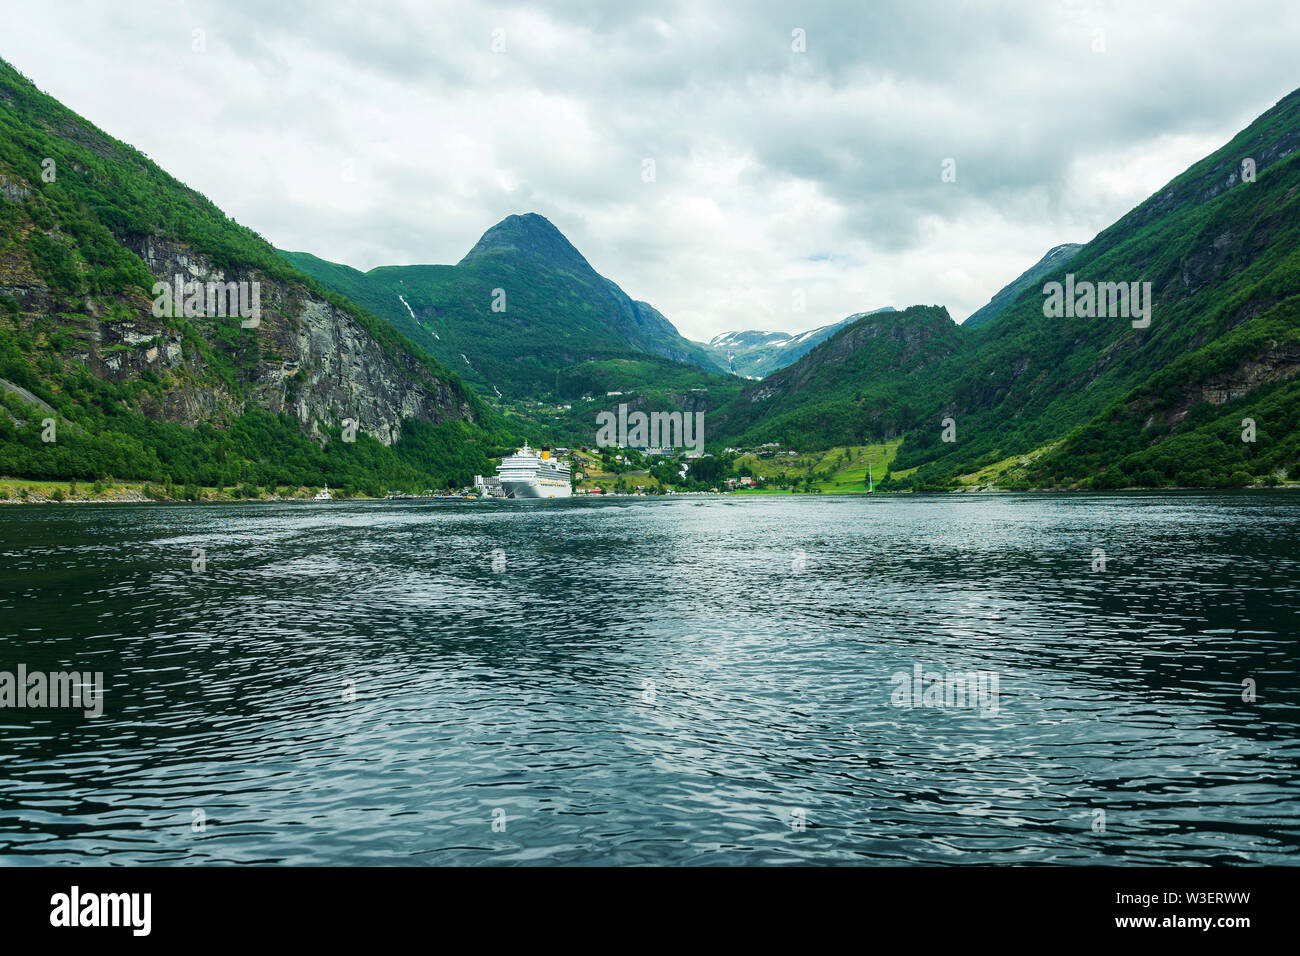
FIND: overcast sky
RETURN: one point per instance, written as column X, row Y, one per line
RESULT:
column 399, row 135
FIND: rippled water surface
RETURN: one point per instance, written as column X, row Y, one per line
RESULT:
column 690, row 681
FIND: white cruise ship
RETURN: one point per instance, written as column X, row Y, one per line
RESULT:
column 531, row 474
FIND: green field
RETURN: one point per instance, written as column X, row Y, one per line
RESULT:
column 838, row 470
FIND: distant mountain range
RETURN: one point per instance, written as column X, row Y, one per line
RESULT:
column 756, row 354
column 554, row 314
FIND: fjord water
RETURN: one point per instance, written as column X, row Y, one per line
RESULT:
column 686, row 681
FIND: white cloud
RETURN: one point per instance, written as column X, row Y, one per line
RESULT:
column 395, row 134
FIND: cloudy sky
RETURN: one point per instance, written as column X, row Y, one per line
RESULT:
column 400, row 134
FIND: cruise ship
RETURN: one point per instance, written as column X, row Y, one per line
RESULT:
column 531, row 474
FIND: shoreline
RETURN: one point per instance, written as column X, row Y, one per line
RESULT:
column 45, row 491
column 134, row 495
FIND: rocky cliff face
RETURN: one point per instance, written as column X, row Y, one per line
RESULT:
column 1279, row 362
column 88, row 224
column 12, row 190
column 307, row 357
column 313, row 360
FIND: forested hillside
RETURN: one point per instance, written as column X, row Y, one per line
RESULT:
column 88, row 225
column 1120, row 402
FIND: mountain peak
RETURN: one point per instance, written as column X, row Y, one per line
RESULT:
column 1056, row 257
column 753, row 354
column 528, row 238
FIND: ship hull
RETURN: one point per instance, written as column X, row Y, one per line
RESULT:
column 536, row 489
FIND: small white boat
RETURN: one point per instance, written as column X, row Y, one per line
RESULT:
column 324, row 495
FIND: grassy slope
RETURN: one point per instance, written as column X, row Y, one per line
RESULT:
column 838, row 470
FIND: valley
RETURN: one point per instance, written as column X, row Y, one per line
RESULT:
column 411, row 377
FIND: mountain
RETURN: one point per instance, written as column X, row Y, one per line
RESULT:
column 842, row 391
column 1091, row 400
column 521, row 306
column 88, row 226
column 1055, row 258
column 756, row 354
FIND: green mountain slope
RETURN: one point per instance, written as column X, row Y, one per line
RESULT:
column 88, row 225
column 521, row 306
column 1221, row 257
column 847, row 389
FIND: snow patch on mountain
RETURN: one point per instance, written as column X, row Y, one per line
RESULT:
column 753, row 353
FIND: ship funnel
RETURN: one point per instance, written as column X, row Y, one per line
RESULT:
column 546, row 454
